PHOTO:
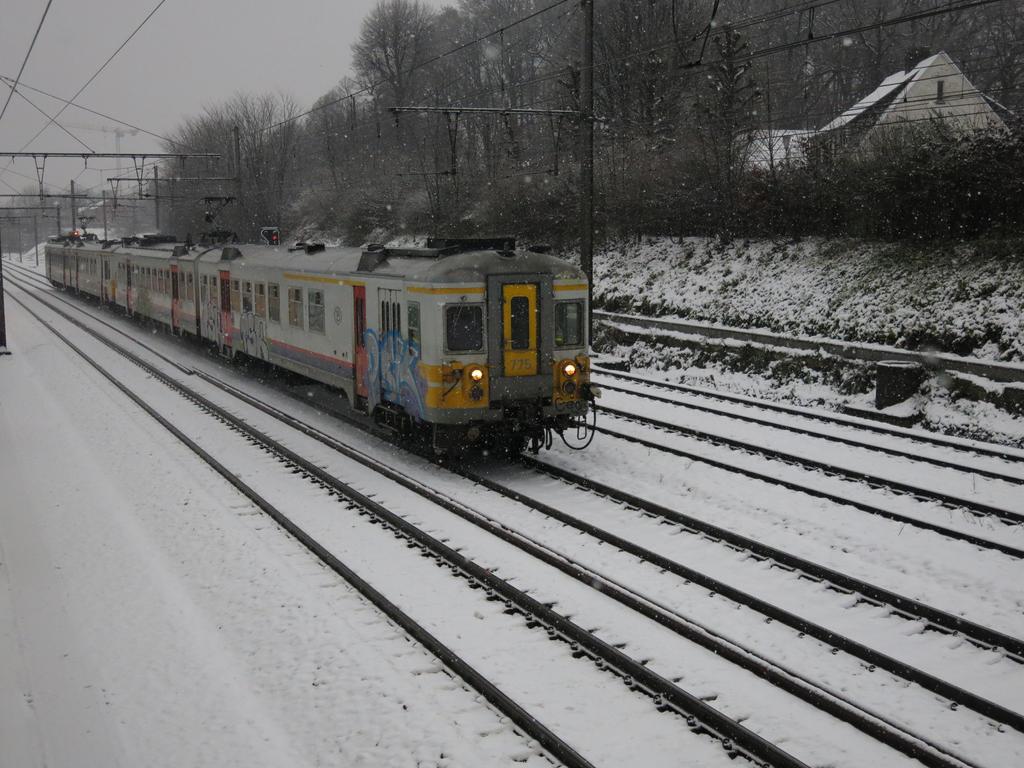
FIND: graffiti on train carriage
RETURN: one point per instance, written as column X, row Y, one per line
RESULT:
column 211, row 325
column 253, row 335
column 392, row 372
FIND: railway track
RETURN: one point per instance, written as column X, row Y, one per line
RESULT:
column 859, row 489
column 698, row 717
column 308, row 473
column 739, row 404
column 886, row 730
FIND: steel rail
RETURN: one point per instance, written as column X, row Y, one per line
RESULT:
column 983, row 637
column 872, row 426
column 556, row 746
column 905, row 607
column 933, row 460
column 951, row 533
column 1013, row 518
column 872, row 724
column 700, row 716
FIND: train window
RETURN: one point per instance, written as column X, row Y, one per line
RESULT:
column 390, row 318
column 236, row 297
column 295, row 307
column 275, row 302
column 261, row 299
column 204, row 289
column 190, row 289
column 519, row 319
column 316, row 311
column 247, row 296
column 359, row 319
column 568, row 323
column 413, row 315
column 464, row 327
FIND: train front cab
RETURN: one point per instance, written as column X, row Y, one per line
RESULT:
column 537, row 353
column 514, row 364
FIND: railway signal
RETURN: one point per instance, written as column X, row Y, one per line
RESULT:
column 270, row 235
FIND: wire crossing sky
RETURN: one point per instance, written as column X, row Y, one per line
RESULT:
column 189, row 55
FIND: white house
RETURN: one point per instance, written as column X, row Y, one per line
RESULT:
column 934, row 89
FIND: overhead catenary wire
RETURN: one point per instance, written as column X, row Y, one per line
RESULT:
column 43, row 113
column 354, row 125
column 24, row 62
column 747, row 21
column 534, row 79
column 415, row 67
column 102, row 115
column 91, row 79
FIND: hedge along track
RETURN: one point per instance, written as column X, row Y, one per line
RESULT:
column 698, row 716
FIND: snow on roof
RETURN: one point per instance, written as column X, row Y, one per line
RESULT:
column 890, row 86
column 888, row 90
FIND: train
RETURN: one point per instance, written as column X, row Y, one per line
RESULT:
column 463, row 343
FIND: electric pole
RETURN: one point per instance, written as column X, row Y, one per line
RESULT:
column 587, row 160
column 3, row 318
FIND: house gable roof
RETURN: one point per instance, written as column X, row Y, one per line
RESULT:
column 935, row 87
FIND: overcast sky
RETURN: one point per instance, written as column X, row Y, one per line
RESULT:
column 190, row 54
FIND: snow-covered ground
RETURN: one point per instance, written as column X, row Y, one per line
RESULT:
column 148, row 616
column 967, row 299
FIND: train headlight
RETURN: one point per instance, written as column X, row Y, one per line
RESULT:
column 569, row 388
column 476, row 374
column 476, row 392
column 569, row 369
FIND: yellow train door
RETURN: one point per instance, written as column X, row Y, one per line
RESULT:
column 519, row 323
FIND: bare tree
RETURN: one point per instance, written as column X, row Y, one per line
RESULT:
column 394, row 38
column 268, row 134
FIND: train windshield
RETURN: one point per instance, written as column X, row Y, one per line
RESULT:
column 569, row 323
column 464, row 327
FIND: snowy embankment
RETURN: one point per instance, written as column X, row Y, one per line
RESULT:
column 964, row 299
